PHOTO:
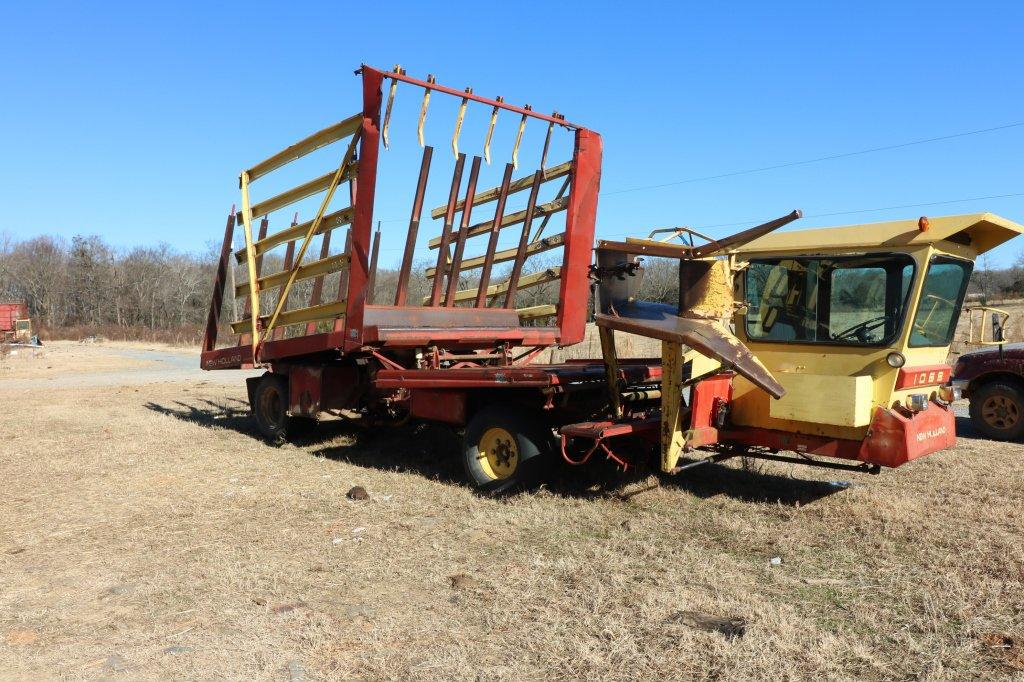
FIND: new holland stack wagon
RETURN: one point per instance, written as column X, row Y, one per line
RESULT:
column 839, row 339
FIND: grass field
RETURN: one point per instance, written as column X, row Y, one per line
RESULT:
column 149, row 534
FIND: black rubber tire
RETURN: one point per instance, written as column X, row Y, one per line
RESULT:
column 534, row 441
column 1009, row 391
column 270, row 409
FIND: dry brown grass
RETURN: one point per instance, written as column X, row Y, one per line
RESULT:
column 146, row 529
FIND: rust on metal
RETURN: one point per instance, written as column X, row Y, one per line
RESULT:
column 446, row 231
column 460, row 240
column 492, row 243
column 524, row 238
column 414, row 227
column 371, row 279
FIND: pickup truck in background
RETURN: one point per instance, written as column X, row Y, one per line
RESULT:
column 992, row 379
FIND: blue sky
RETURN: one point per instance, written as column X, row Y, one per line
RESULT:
column 132, row 120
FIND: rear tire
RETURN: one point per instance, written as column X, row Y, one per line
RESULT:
column 506, row 447
column 997, row 410
column 270, row 409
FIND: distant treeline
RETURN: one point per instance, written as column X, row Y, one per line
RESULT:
column 85, row 284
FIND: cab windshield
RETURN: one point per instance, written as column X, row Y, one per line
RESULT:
column 850, row 301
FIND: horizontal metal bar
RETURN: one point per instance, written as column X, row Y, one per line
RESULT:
column 863, row 467
column 553, row 173
column 531, row 280
column 314, row 269
column 647, row 247
column 536, row 311
column 324, row 311
column 329, row 222
column 545, row 244
column 511, row 219
column 476, row 98
column 307, row 145
column 299, row 193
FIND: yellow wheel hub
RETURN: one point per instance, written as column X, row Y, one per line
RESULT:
column 498, row 453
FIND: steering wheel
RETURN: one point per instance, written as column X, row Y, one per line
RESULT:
column 861, row 329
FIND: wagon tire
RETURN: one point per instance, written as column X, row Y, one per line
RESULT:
column 270, row 409
column 997, row 410
column 505, row 448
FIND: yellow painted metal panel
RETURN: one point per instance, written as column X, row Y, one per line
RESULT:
column 314, row 269
column 329, row 222
column 319, row 139
column 531, row 280
column 536, row 311
column 561, row 170
column 512, row 219
column 299, row 193
column 985, row 231
column 545, row 244
column 324, row 311
column 824, row 399
column 672, row 407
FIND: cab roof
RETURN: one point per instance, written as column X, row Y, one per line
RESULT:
column 980, row 232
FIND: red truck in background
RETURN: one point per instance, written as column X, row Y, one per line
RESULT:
column 14, row 321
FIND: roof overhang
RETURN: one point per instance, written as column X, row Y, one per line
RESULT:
column 980, row 232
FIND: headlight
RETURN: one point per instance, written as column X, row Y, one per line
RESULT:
column 895, row 359
column 917, row 402
column 949, row 393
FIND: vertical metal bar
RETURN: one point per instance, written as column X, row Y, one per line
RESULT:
column 362, row 223
column 580, row 219
column 446, row 232
column 371, row 280
column 490, row 131
column 282, row 293
column 414, row 226
column 547, row 144
column 460, row 241
column 611, row 369
column 339, row 324
column 524, row 238
column 246, row 338
column 250, row 261
column 213, row 319
column 672, row 413
column 387, row 113
column 547, row 218
column 519, row 137
column 458, row 123
column 492, row 243
column 423, row 107
column 318, row 283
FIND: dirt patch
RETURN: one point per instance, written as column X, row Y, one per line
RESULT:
column 148, row 532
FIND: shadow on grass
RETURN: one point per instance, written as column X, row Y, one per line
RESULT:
column 602, row 479
column 433, row 451
column 430, row 451
column 747, row 485
column 965, row 428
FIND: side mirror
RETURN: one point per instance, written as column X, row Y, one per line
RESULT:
column 997, row 328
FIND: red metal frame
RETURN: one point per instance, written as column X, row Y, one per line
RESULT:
column 353, row 333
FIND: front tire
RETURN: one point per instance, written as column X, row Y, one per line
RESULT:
column 997, row 410
column 270, row 409
column 506, row 447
